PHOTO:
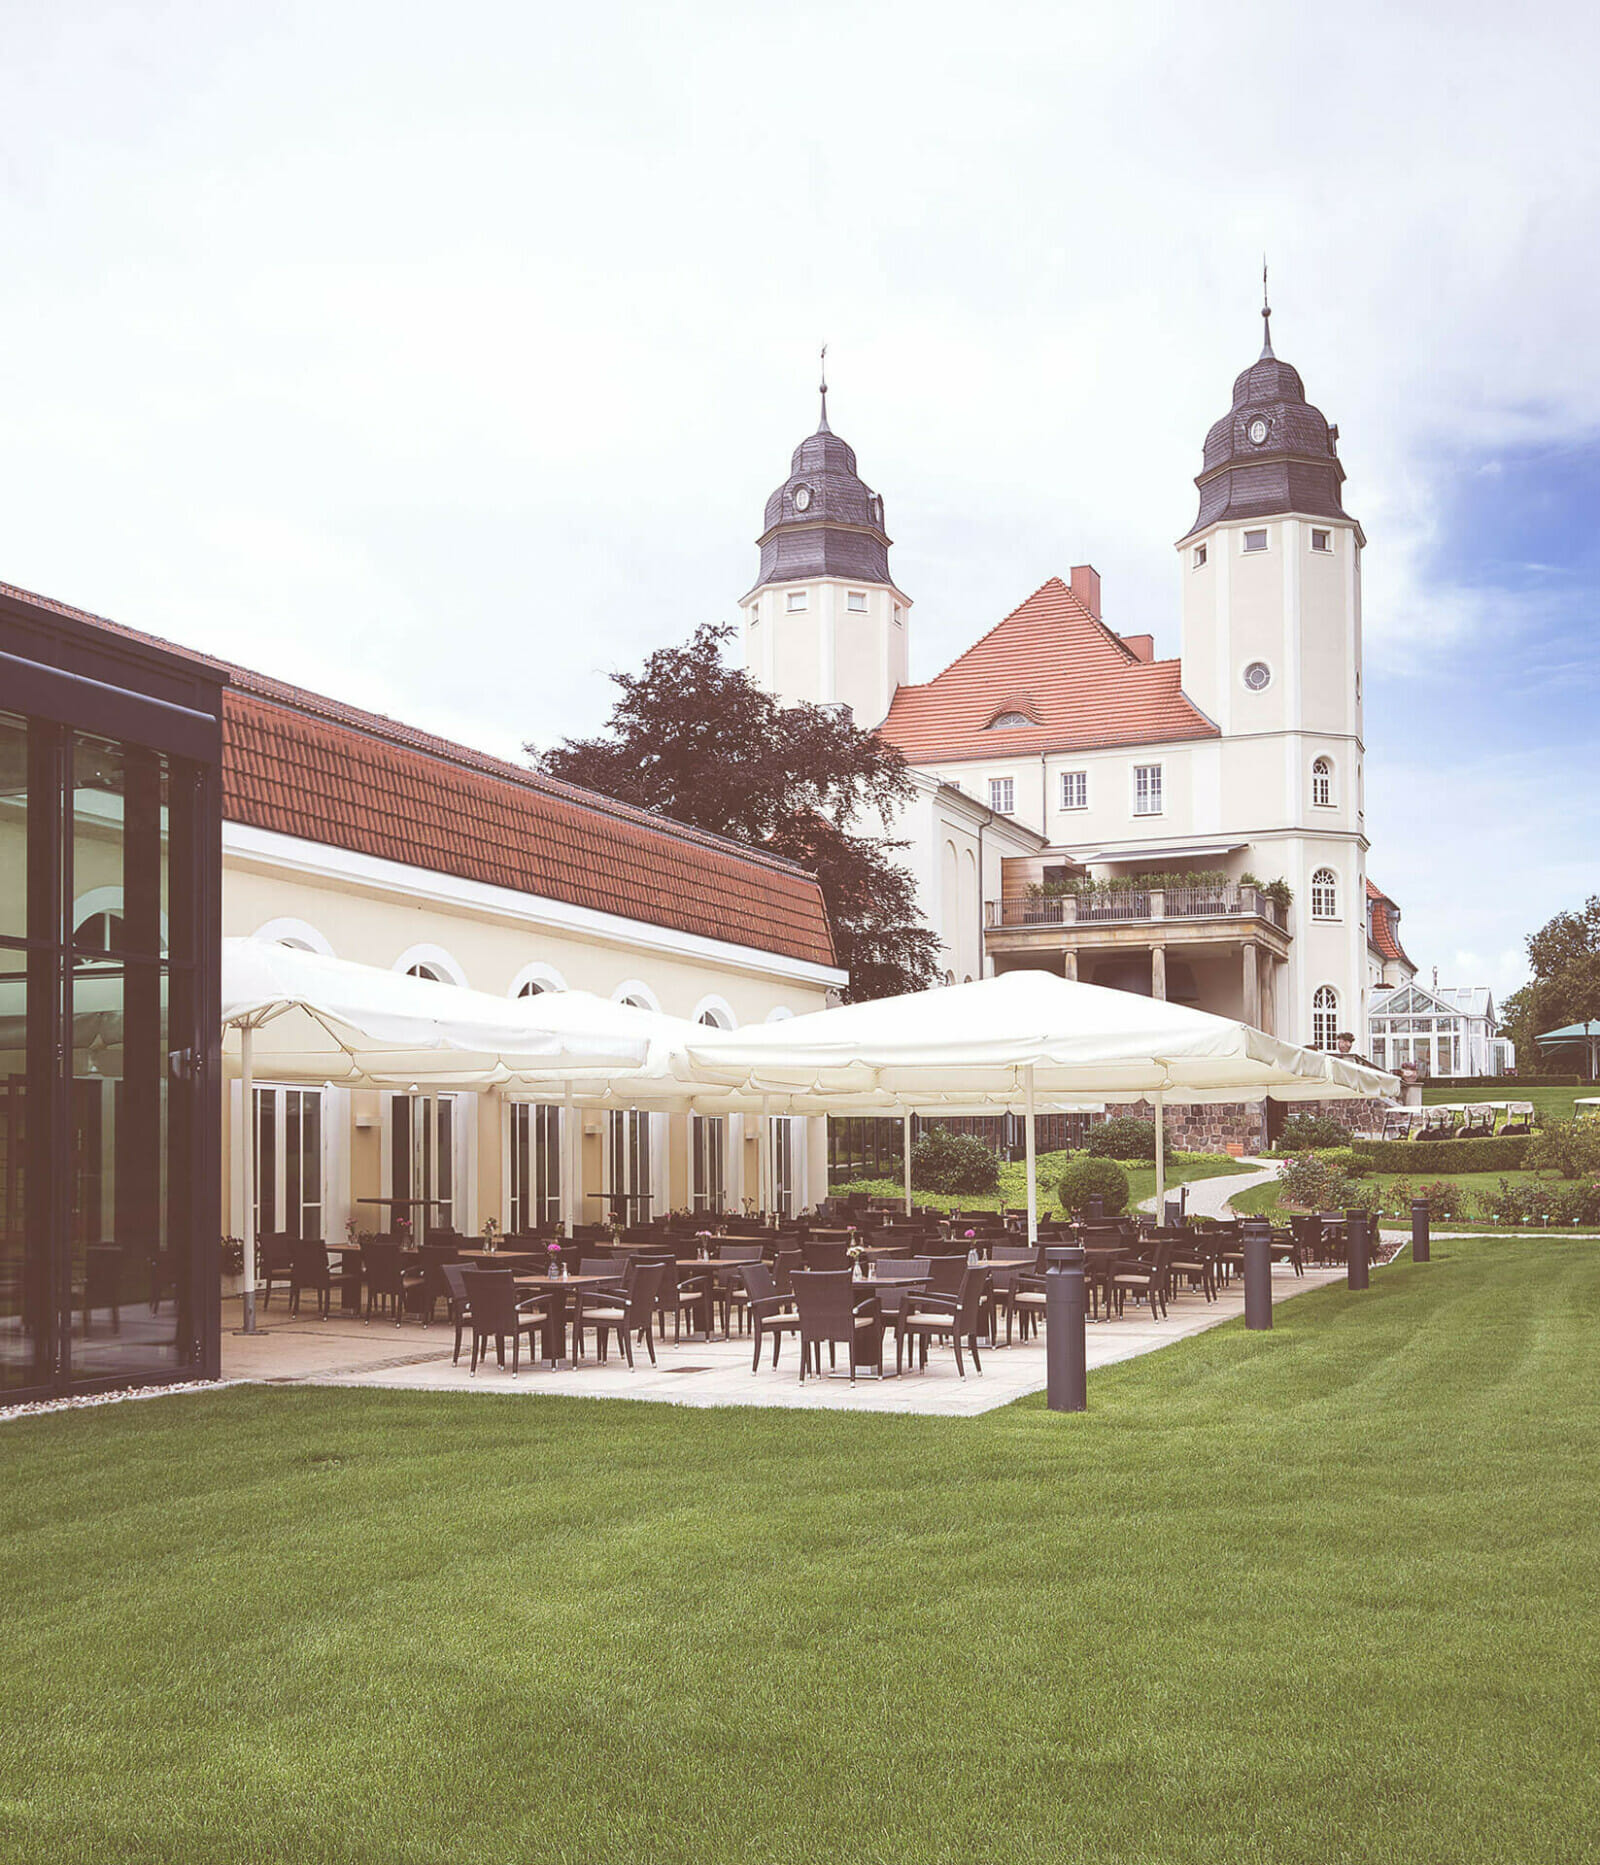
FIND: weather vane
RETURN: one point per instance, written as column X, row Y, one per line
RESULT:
column 824, row 362
column 1266, row 312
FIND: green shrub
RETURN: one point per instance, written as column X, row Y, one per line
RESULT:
column 1536, row 1202
column 1086, row 1178
column 1570, row 1147
column 1310, row 1132
column 943, row 1161
column 1315, row 1182
column 1125, row 1138
column 1444, row 1155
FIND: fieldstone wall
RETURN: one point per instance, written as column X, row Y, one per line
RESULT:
column 1239, row 1126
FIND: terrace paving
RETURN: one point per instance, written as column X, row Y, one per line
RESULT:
column 347, row 1352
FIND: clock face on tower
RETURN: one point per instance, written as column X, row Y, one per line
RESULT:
column 802, row 498
column 1257, row 431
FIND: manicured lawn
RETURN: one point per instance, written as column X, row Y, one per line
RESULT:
column 1322, row 1594
column 1182, row 1167
column 1548, row 1103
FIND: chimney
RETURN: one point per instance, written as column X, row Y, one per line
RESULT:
column 1141, row 647
column 1086, row 587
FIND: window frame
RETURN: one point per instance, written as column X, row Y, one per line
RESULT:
column 796, row 601
column 1324, row 549
column 1264, row 548
column 856, row 602
column 1324, row 914
column 1198, row 561
column 1325, row 1005
column 1008, row 787
column 1322, row 773
column 1083, row 786
column 1158, row 789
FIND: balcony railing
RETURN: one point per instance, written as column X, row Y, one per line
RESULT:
column 1134, row 903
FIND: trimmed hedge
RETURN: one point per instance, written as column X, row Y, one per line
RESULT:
column 942, row 1161
column 1443, row 1155
column 1087, row 1178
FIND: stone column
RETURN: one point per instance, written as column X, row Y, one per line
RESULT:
column 1252, row 990
column 1158, row 971
column 1070, row 964
column 1269, row 995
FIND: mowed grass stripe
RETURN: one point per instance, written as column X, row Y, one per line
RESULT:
column 1324, row 1593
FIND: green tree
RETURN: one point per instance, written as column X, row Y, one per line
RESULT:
column 696, row 740
column 1565, row 988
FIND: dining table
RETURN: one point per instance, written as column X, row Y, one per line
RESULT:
column 557, row 1291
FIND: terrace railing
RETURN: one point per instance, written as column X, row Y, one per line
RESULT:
column 1124, row 904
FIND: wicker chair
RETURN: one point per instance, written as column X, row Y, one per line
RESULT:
column 957, row 1317
column 494, row 1311
column 830, row 1310
column 627, row 1312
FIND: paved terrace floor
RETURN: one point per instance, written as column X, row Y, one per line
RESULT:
column 345, row 1352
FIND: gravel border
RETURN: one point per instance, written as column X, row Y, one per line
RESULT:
column 79, row 1401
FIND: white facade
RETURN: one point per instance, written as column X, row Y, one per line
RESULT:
column 829, row 640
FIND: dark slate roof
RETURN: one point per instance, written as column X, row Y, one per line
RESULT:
column 839, row 533
column 1294, row 469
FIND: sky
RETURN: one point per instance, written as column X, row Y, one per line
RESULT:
column 443, row 358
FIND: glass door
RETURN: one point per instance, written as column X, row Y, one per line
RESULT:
column 289, row 1164
column 627, row 1166
column 424, row 1132
column 709, row 1159
column 535, row 1165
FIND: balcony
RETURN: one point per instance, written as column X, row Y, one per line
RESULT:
column 1131, row 905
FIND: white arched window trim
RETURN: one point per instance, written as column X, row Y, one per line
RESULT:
column 298, row 933
column 105, row 900
column 1324, row 1017
column 636, row 992
column 1322, row 780
column 780, row 1014
column 715, row 1011
column 436, row 958
column 545, row 977
column 1324, row 894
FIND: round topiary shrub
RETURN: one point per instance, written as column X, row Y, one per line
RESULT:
column 1087, row 1177
column 942, row 1161
column 1124, row 1137
column 1304, row 1133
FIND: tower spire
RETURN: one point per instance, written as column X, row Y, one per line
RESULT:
column 822, row 425
column 1266, row 317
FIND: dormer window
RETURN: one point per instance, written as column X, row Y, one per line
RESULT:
column 1255, row 540
column 1004, row 721
column 856, row 601
column 797, row 601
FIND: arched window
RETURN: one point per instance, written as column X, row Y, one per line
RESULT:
column 1007, row 721
column 1325, row 1017
column 1324, row 895
column 100, row 932
column 430, row 972
column 1322, row 783
column 535, row 987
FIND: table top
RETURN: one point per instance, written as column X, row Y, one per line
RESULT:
column 561, row 1282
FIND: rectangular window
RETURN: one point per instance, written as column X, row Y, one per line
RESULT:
column 423, row 1133
column 288, row 1189
column 755, row 617
column 1074, row 789
column 1322, row 540
column 856, row 601
column 899, row 615
column 1002, row 795
column 797, row 601
column 1255, row 540
column 535, row 1165
column 1199, row 556
column 710, row 1145
column 1147, row 790
column 627, row 1166
column 783, row 1173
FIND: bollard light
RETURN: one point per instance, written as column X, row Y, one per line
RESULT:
column 1065, row 1343
column 1419, row 1231
column 1257, row 1234
column 1356, row 1231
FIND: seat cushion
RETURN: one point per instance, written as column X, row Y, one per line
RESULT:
column 605, row 1314
column 929, row 1321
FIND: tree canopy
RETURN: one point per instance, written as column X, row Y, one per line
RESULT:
column 696, row 740
column 1565, row 987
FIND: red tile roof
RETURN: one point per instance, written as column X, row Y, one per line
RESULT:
column 304, row 765
column 1383, row 921
column 1052, row 660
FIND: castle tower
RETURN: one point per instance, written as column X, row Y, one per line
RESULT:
column 825, row 622
column 1271, row 578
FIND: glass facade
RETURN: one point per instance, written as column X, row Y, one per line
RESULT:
column 107, row 984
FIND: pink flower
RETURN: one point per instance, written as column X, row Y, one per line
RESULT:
column 972, row 1233
column 553, row 1248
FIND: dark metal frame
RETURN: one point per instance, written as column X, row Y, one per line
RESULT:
column 66, row 672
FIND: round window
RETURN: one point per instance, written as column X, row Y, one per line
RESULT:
column 1258, row 676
